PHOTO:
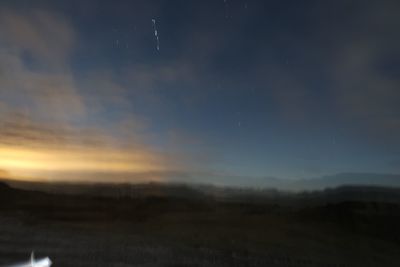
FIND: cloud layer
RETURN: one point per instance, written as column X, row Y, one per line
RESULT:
column 51, row 123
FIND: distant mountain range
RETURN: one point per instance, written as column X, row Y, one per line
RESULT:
column 265, row 183
column 342, row 179
column 328, row 181
column 336, row 188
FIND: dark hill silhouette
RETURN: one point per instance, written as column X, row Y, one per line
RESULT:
column 348, row 179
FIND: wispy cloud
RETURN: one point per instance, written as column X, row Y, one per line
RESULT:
column 34, row 69
column 50, row 122
column 46, row 37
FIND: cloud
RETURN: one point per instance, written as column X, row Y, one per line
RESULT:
column 342, row 72
column 4, row 174
column 53, row 123
column 363, row 53
column 46, row 36
column 29, row 148
column 152, row 83
column 19, row 129
column 34, row 65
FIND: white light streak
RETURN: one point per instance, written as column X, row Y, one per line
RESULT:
column 156, row 34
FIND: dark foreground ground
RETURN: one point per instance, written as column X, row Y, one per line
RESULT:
column 166, row 230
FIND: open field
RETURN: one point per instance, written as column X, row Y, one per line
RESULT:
column 83, row 230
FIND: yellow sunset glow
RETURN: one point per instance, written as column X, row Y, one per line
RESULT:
column 25, row 160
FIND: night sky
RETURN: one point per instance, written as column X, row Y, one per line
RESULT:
column 226, row 92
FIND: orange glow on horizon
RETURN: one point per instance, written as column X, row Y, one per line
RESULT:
column 28, row 161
